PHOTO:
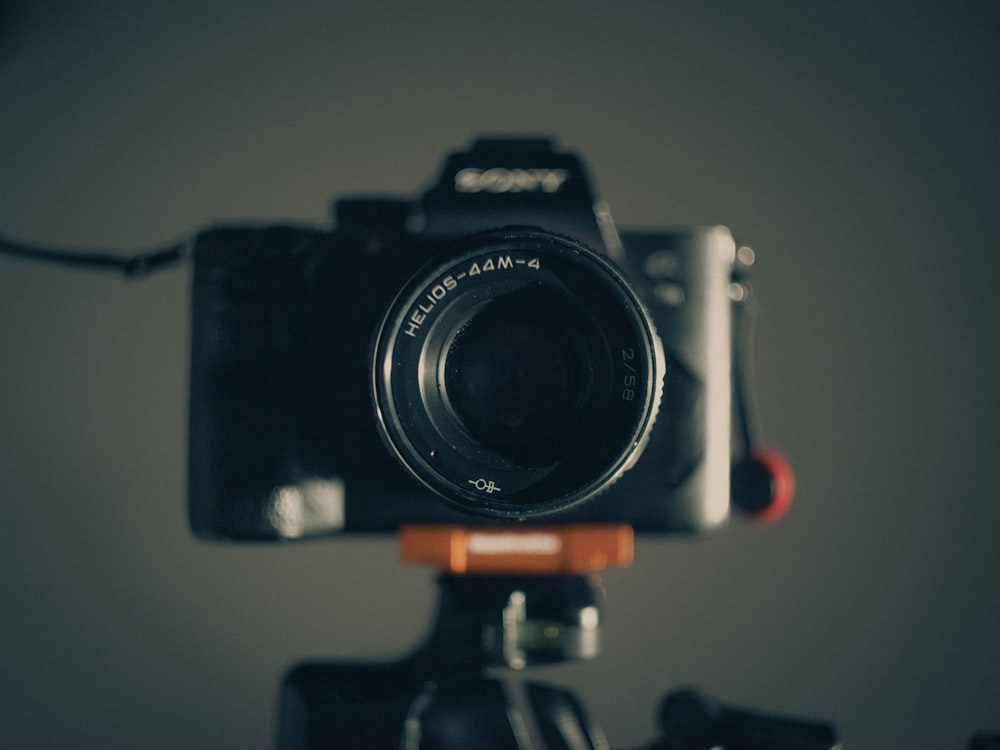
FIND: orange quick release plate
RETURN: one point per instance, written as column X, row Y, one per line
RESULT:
column 540, row 549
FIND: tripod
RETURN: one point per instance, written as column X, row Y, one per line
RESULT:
column 507, row 600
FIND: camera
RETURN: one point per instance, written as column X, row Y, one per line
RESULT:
column 494, row 352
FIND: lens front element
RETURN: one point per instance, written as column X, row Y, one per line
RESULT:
column 518, row 376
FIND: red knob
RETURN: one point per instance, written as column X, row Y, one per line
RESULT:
column 763, row 485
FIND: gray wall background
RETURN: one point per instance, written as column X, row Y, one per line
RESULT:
column 856, row 145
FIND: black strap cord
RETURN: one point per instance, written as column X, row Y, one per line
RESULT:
column 133, row 266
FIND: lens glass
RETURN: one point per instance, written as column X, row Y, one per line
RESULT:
column 517, row 375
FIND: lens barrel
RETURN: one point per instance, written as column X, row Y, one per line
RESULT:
column 517, row 375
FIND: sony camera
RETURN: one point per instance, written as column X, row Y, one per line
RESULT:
column 492, row 353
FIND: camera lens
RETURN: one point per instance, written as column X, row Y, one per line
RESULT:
column 518, row 375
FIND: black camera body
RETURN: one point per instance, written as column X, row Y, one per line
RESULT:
column 495, row 353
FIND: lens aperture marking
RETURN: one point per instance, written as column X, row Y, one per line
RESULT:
column 630, row 380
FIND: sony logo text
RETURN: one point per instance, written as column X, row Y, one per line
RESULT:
column 502, row 180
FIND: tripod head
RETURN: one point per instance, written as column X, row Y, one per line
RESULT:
column 508, row 599
column 524, row 596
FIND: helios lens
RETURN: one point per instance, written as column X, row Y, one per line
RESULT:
column 517, row 376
